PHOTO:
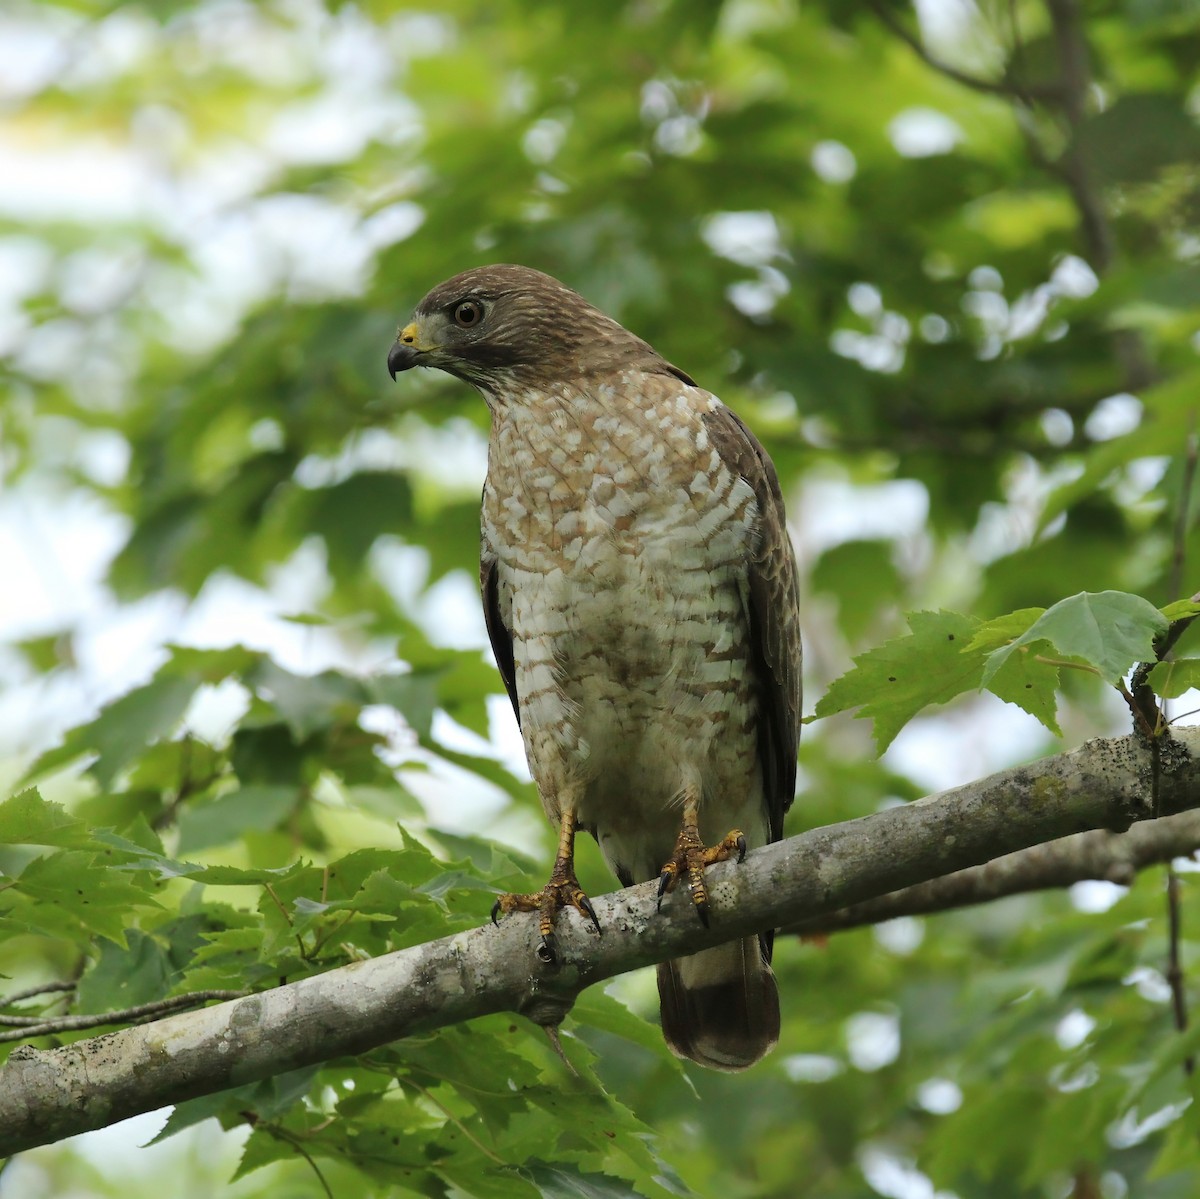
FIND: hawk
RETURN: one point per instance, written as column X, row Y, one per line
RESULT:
column 641, row 597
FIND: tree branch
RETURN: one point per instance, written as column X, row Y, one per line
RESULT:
column 996, row 87
column 32, row 1026
column 1076, row 172
column 1068, row 96
column 1076, row 79
column 49, row 1094
column 1099, row 854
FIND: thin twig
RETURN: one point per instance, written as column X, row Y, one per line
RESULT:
column 457, row 1123
column 323, row 939
column 279, row 904
column 1174, row 966
column 1070, row 96
column 1139, row 681
column 129, row 1015
column 281, row 1134
column 1147, row 718
column 1074, row 82
column 995, row 87
column 305, row 956
column 33, row 992
column 188, row 786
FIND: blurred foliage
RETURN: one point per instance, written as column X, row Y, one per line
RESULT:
column 948, row 272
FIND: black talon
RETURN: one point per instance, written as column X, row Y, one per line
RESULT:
column 586, row 905
column 495, row 912
column 547, row 950
column 741, row 848
column 702, row 912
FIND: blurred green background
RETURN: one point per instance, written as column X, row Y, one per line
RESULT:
column 944, row 261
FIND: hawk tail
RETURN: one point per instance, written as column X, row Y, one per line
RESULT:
column 720, row 1008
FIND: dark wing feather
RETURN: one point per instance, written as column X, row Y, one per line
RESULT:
column 500, row 636
column 773, row 610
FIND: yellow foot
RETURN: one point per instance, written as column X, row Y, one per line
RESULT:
column 562, row 891
column 689, row 860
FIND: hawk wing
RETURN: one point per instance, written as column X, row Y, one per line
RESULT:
column 498, row 633
column 772, row 599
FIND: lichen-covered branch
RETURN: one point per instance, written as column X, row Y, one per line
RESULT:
column 1099, row 854
column 49, row 1094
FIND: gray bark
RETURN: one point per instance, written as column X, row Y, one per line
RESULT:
column 1099, row 854
column 49, row 1094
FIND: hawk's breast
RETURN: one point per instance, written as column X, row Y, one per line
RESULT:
column 620, row 539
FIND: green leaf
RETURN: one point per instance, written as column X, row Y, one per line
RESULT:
column 413, row 695
column 859, row 574
column 482, row 1180
column 392, row 802
column 1030, row 683
column 485, row 768
column 1170, row 408
column 237, row 876
column 261, row 1150
column 28, row 819
column 893, row 683
column 563, row 1182
column 1023, row 680
column 196, row 1111
column 135, row 721
column 220, row 821
column 1171, row 679
column 1108, row 630
column 122, row 976
column 1133, row 139
column 229, row 958
column 46, row 654
column 1168, row 1055
column 211, row 665
column 69, row 892
column 351, row 514
column 596, row 1009
column 1181, row 609
column 124, row 729
column 992, row 634
column 308, row 703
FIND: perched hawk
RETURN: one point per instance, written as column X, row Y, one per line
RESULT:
column 641, row 596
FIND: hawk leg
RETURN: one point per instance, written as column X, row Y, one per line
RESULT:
column 691, row 856
column 561, row 891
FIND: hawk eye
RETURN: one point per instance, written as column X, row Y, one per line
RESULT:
column 468, row 313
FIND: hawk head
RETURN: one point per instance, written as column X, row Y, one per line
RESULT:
column 504, row 328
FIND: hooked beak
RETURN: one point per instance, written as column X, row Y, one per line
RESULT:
column 401, row 358
column 406, row 349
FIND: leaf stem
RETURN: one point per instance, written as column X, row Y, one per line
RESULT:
column 291, row 1140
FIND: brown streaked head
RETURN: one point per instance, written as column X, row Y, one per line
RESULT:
column 506, row 327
